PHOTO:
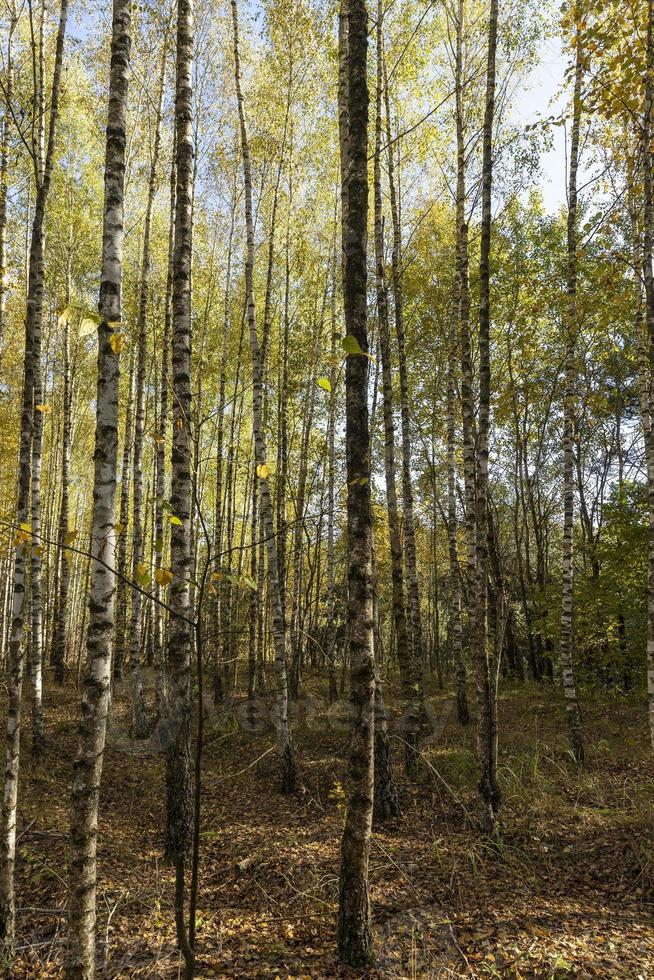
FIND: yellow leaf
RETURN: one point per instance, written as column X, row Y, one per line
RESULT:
column 262, row 471
column 43, row 408
column 117, row 341
column 163, row 576
column 70, row 536
column 119, row 528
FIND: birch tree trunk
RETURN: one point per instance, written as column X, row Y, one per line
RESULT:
column 278, row 627
column 484, row 662
column 648, row 276
column 462, row 317
column 122, row 619
column 160, row 495
column 36, row 612
column 454, row 596
column 414, row 712
column 24, row 537
column 331, row 468
column 179, row 805
column 80, row 954
column 4, row 168
column 566, row 632
column 58, row 652
column 354, row 925
column 397, row 573
column 139, row 717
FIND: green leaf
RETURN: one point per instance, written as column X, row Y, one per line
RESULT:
column 351, row 345
column 175, row 520
column 324, row 383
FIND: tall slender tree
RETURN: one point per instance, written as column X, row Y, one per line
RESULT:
column 179, row 800
column 354, row 927
column 5, row 134
column 460, row 336
column 138, row 563
column 648, row 277
column 43, row 164
column 566, row 633
column 58, row 651
column 485, row 661
column 80, row 954
column 278, row 626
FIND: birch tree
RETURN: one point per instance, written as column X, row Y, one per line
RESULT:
column 354, row 926
column 648, row 277
column 43, row 160
column 566, row 633
column 485, row 662
column 80, row 953
column 278, row 626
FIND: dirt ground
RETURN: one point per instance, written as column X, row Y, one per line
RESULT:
column 570, row 892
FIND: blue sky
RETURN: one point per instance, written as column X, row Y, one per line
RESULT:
column 542, row 97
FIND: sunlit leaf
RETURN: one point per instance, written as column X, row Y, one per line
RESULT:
column 163, row 576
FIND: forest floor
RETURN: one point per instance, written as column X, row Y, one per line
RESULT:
column 570, row 892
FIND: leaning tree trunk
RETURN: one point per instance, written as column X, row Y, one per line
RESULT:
column 139, row 717
column 566, row 634
column 24, row 538
column 354, row 925
column 278, row 627
column 648, row 276
column 80, row 956
column 484, row 664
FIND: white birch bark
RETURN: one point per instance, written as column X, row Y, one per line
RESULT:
column 80, row 954
column 278, row 627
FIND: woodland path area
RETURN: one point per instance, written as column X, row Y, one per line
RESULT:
column 570, row 893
